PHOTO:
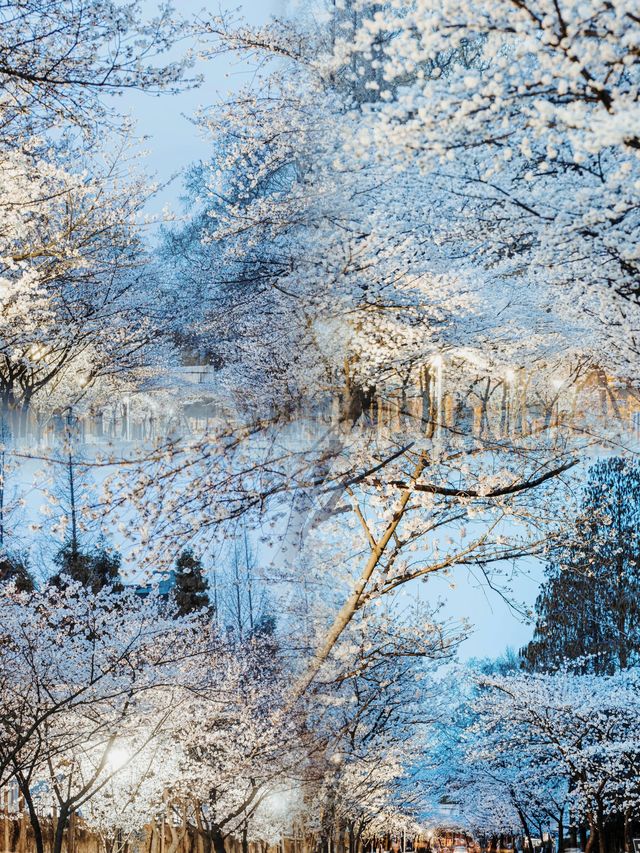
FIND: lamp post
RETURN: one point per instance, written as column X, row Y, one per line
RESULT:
column 127, row 411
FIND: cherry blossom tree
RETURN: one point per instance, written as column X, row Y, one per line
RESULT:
column 565, row 738
column 241, row 751
column 313, row 231
column 72, row 259
column 74, row 310
column 376, row 710
column 90, row 683
column 525, row 114
column 58, row 60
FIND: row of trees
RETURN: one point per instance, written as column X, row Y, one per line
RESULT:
column 545, row 755
column 117, row 708
column 548, row 741
column 297, row 229
column 304, row 163
column 145, row 702
column 405, row 181
column 340, row 240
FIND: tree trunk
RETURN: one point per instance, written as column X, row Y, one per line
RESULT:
column 72, row 505
column 33, row 816
column 628, row 831
column 61, row 823
column 354, row 400
column 176, row 839
column 602, row 841
column 593, row 836
column 583, row 837
column 560, row 834
column 525, row 826
column 350, row 606
column 217, row 839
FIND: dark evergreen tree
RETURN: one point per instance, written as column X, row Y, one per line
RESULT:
column 191, row 587
column 94, row 568
column 589, row 606
column 265, row 626
column 15, row 567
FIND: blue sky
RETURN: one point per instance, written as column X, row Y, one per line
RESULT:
column 495, row 624
column 172, row 141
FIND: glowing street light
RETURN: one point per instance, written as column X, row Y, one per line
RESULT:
column 117, row 758
column 37, row 352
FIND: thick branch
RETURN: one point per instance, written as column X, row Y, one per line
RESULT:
column 513, row 489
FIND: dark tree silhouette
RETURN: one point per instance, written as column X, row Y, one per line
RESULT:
column 15, row 567
column 94, row 568
column 589, row 606
column 191, row 587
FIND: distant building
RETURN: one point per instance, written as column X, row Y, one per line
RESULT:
column 163, row 582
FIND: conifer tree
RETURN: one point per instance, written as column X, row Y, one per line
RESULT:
column 191, row 589
column 589, row 606
column 14, row 567
column 94, row 568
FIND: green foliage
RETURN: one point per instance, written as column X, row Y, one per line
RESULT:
column 589, row 606
column 15, row 567
column 191, row 587
column 94, row 568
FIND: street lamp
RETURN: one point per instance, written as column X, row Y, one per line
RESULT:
column 117, row 757
column 127, row 414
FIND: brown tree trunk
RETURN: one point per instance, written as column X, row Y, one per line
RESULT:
column 593, row 837
column 350, row 606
